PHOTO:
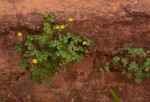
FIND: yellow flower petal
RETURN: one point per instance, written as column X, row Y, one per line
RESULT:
column 84, row 43
column 57, row 27
column 70, row 19
column 62, row 26
column 19, row 34
column 34, row 61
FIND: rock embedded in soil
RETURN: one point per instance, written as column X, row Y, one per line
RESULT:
column 109, row 23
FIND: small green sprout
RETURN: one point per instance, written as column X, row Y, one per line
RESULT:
column 114, row 95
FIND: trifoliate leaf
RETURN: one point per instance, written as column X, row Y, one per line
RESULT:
column 23, row 64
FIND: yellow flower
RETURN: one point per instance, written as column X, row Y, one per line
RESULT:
column 19, row 34
column 34, row 61
column 84, row 43
column 70, row 19
column 57, row 27
column 62, row 26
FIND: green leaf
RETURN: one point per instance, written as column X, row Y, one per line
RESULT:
column 146, row 75
column 65, row 40
column 18, row 47
column 42, row 55
column 132, row 51
column 23, row 64
column 138, row 81
column 114, row 95
column 75, row 48
column 136, row 51
column 48, row 17
column 43, row 39
column 89, row 42
column 36, row 74
column 34, row 52
column 36, row 37
column 128, row 74
column 30, row 37
column 27, row 54
column 133, row 66
column 138, row 76
column 141, row 52
column 63, row 54
column 124, row 61
column 47, row 30
column 29, row 45
column 68, row 59
column 81, row 49
column 58, row 53
column 60, row 38
column 68, row 36
column 60, row 47
column 147, row 64
column 54, row 43
column 50, row 67
column 104, row 69
column 116, row 60
column 48, row 80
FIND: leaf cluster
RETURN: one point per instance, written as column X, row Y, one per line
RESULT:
column 135, row 61
column 52, row 50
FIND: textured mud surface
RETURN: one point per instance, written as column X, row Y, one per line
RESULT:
column 110, row 23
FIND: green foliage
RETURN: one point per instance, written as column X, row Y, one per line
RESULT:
column 124, row 62
column 47, row 30
column 147, row 64
column 133, row 65
column 23, row 64
column 116, row 60
column 114, row 95
column 18, row 47
column 104, row 69
column 37, row 72
column 44, row 54
column 135, row 51
column 49, row 17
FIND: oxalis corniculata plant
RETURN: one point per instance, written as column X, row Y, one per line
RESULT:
column 44, row 54
column 132, row 62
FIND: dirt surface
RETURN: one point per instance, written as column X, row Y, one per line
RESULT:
column 109, row 23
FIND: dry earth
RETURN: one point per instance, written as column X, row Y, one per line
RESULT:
column 109, row 23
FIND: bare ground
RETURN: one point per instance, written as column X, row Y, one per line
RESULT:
column 110, row 23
